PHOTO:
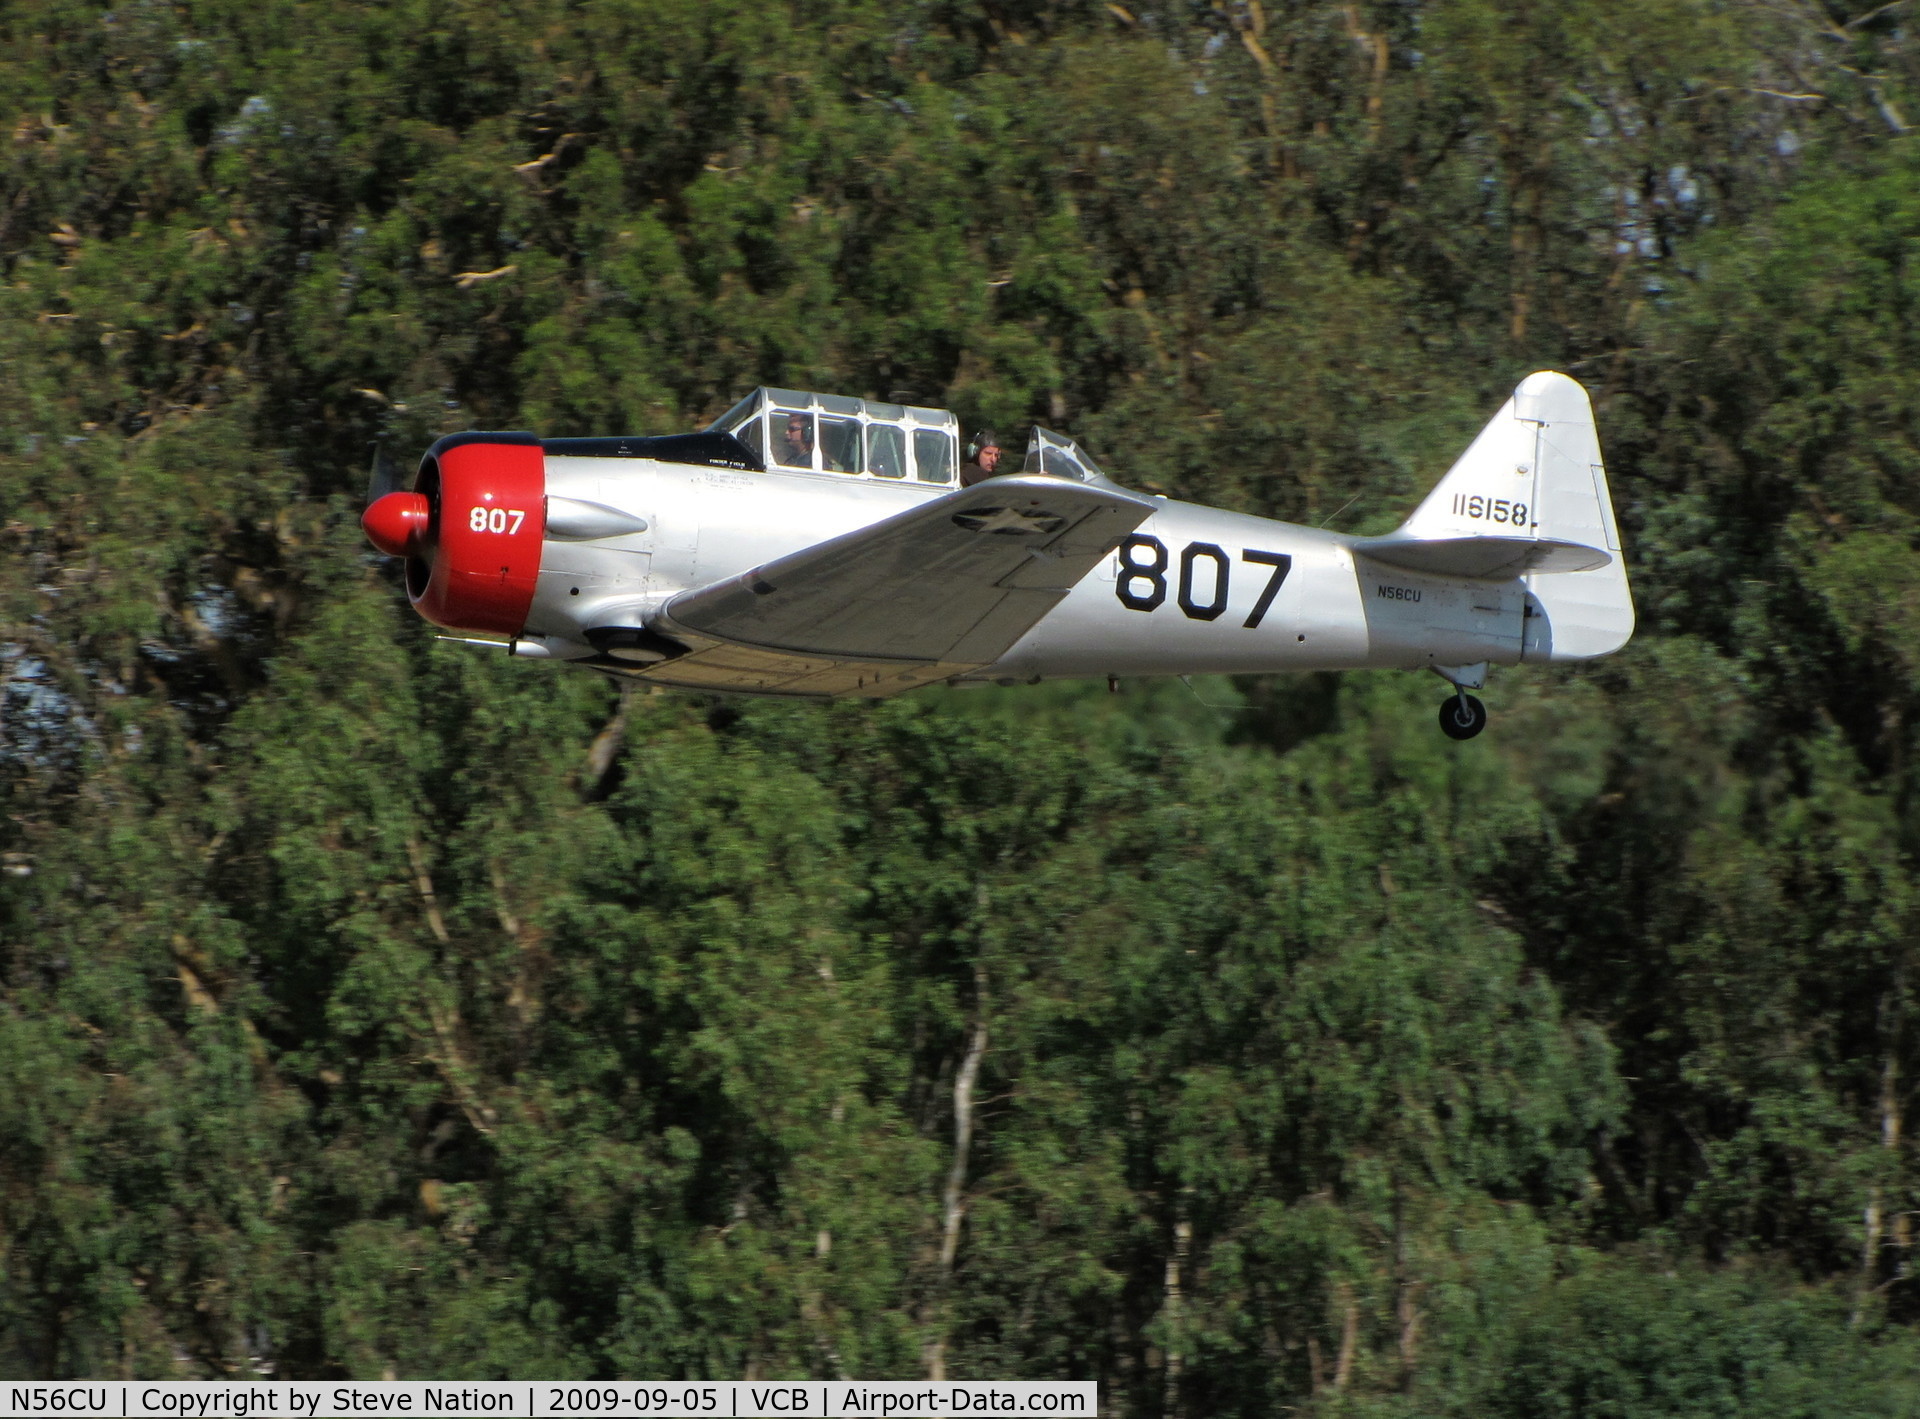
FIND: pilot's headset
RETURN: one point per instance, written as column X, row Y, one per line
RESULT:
column 985, row 439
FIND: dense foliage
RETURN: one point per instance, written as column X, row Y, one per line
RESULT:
column 375, row 1007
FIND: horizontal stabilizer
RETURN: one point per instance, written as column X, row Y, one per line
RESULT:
column 1483, row 558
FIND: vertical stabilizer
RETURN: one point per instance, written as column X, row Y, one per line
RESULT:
column 1535, row 475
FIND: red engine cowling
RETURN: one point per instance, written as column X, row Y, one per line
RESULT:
column 470, row 530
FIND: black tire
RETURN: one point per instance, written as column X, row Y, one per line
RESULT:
column 1462, row 716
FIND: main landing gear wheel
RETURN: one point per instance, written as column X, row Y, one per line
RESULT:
column 1462, row 716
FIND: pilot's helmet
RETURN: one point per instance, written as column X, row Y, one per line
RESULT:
column 980, row 442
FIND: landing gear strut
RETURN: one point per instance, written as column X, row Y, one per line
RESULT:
column 1462, row 716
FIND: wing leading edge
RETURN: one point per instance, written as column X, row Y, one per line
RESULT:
column 940, row 590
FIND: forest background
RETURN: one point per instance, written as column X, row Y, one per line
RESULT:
column 379, row 1007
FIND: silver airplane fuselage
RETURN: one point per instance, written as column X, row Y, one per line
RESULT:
column 1177, row 598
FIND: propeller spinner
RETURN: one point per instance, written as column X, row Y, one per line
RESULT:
column 397, row 521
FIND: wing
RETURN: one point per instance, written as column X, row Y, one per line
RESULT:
column 944, row 588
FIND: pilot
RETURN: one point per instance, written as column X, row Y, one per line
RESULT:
column 795, row 446
column 983, row 458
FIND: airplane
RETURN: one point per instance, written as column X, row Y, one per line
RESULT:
column 822, row 546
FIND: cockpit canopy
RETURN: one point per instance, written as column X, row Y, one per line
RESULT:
column 866, row 438
column 832, row 433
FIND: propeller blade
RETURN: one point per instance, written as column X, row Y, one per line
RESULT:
column 384, row 477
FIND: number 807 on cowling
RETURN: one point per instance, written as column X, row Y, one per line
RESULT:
column 495, row 519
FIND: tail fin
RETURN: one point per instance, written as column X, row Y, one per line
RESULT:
column 1534, row 471
column 1529, row 499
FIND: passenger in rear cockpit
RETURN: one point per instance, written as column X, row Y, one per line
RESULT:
column 983, row 458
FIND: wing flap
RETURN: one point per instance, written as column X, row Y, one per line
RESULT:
column 719, row 665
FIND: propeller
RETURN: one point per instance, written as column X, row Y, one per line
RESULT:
column 384, row 476
column 396, row 520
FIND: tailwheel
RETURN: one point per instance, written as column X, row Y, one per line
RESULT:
column 1462, row 716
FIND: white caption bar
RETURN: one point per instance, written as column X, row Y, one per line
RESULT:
column 526, row 1399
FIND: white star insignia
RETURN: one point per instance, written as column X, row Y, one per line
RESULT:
column 1008, row 521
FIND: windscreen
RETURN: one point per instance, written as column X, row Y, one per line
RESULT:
column 1048, row 452
column 753, row 434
